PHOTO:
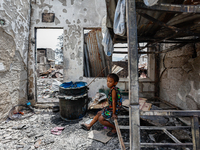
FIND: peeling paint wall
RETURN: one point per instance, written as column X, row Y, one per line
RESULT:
column 180, row 77
column 73, row 16
column 13, row 53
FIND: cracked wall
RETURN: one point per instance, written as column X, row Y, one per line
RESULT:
column 73, row 16
column 180, row 77
column 13, row 53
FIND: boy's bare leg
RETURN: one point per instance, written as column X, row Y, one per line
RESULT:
column 94, row 120
column 104, row 122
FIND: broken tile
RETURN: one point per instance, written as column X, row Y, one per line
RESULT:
column 99, row 135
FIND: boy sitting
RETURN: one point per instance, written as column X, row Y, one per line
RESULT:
column 110, row 111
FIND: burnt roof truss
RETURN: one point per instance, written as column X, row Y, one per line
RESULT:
column 175, row 8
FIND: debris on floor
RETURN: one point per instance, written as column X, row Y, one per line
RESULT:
column 99, row 101
column 37, row 134
column 57, row 130
column 100, row 135
column 47, row 89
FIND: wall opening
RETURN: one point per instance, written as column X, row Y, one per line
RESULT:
column 49, row 63
column 120, row 61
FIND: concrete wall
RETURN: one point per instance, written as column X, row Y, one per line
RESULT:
column 180, row 76
column 73, row 16
column 13, row 53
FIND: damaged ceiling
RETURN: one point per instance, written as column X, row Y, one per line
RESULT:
column 168, row 21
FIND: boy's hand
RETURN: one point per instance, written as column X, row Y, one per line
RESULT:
column 114, row 116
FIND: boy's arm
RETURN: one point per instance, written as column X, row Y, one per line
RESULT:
column 114, row 99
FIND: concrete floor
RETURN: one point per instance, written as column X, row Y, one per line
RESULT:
column 37, row 130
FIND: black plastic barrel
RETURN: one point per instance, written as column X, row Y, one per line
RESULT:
column 73, row 107
column 73, row 88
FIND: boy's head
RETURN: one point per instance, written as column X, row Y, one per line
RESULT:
column 112, row 80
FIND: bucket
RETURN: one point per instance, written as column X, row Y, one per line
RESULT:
column 73, row 107
column 73, row 88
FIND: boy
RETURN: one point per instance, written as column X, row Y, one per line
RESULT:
column 111, row 111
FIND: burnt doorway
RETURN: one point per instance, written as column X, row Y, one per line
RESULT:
column 49, row 64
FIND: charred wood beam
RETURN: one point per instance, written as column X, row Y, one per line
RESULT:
column 195, row 132
column 165, row 144
column 174, row 138
column 170, row 8
column 175, row 113
column 145, row 39
column 175, row 29
column 159, row 22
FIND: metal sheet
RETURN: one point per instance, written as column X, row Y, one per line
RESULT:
column 96, row 56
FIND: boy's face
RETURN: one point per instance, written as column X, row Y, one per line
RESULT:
column 111, row 82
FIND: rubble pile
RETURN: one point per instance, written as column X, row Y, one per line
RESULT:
column 35, row 133
column 47, row 89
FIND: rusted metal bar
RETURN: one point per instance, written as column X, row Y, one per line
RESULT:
column 165, row 144
column 170, row 8
column 119, row 135
column 195, row 132
column 175, row 113
column 134, row 117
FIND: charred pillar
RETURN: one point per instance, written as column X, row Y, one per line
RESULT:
column 134, row 118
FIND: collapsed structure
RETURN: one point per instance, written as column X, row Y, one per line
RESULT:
column 170, row 30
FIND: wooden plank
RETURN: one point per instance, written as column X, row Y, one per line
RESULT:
column 195, row 133
column 119, row 135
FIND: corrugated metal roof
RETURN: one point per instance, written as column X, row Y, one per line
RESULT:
column 149, row 31
column 96, row 55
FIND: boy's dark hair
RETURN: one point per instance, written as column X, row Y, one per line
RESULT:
column 113, row 76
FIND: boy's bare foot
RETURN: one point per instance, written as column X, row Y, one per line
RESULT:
column 85, row 127
column 112, row 133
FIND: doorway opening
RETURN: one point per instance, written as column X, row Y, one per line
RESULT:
column 49, row 63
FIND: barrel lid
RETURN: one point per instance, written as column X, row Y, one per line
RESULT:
column 73, row 85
